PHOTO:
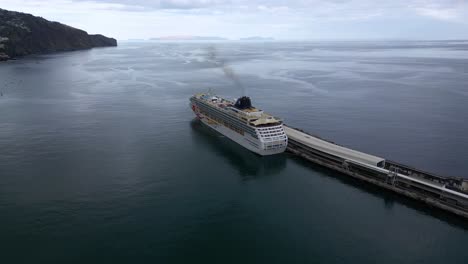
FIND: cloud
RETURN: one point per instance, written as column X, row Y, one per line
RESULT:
column 189, row 4
column 442, row 14
column 282, row 19
column 450, row 10
column 149, row 5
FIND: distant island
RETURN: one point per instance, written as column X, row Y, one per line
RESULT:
column 258, row 38
column 189, row 38
column 23, row 34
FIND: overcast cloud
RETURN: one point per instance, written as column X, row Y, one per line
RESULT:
column 293, row 19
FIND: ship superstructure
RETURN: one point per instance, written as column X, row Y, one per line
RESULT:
column 246, row 125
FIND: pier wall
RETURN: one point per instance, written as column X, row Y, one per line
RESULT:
column 441, row 192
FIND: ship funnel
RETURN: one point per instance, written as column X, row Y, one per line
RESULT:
column 243, row 103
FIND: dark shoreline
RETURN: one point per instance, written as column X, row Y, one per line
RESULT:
column 47, row 53
column 23, row 34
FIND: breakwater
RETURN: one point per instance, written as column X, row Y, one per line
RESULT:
column 447, row 193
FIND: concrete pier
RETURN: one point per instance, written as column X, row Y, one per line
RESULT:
column 447, row 193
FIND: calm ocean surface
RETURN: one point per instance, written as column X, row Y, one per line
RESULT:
column 101, row 160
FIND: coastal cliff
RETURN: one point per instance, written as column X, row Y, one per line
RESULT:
column 23, row 34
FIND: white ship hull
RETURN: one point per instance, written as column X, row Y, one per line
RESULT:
column 264, row 137
column 244, row 141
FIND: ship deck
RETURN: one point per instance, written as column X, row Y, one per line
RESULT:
column 252, row 115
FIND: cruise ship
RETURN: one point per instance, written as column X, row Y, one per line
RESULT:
column 241, row 122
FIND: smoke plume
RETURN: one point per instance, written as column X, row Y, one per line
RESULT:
column 227, row 70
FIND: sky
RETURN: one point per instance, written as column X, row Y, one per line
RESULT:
column 280, row 19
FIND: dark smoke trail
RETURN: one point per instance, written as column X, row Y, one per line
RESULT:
column 228, row 71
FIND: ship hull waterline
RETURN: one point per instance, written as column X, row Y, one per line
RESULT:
column 237, row 138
